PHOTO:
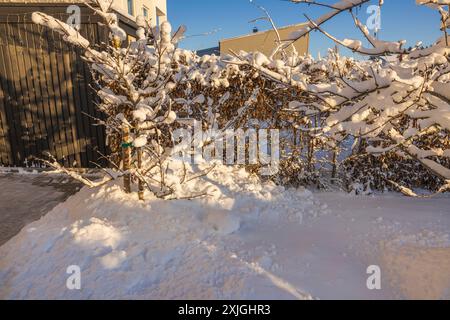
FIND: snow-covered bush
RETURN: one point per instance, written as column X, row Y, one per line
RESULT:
column 382, row 106
column 357, row 123
column 134, row 82
column 227, row 93
column 334, row 112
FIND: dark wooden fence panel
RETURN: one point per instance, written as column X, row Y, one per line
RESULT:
column 45, row 91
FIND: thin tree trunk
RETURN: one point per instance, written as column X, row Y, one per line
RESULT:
column 126, row 157
column 334, row 172
column 140, row 182
column 139, row 167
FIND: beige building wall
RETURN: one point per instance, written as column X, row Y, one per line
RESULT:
column 156, row 9
column 264, row 42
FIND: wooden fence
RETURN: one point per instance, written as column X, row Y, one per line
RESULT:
column 45, row 91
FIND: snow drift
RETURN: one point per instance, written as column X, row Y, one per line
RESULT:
column 247, row 240
column 154, row 250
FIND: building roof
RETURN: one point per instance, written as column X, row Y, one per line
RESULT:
column 209, row 51
column 299, row 25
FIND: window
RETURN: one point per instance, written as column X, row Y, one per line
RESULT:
column 145, row 12
column 130, row 7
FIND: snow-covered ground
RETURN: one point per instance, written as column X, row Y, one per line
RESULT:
column 246, row 241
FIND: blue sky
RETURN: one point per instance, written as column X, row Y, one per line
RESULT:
column 401, row 19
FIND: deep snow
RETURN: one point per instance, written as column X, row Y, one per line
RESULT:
column 246, row 241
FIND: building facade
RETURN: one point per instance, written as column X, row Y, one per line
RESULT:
column 154, row 10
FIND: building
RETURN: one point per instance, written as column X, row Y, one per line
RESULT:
column 264, row 41
column 209, row 51
column 45, row 85
column 154, row 10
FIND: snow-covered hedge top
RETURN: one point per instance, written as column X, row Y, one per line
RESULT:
column 388, row 102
